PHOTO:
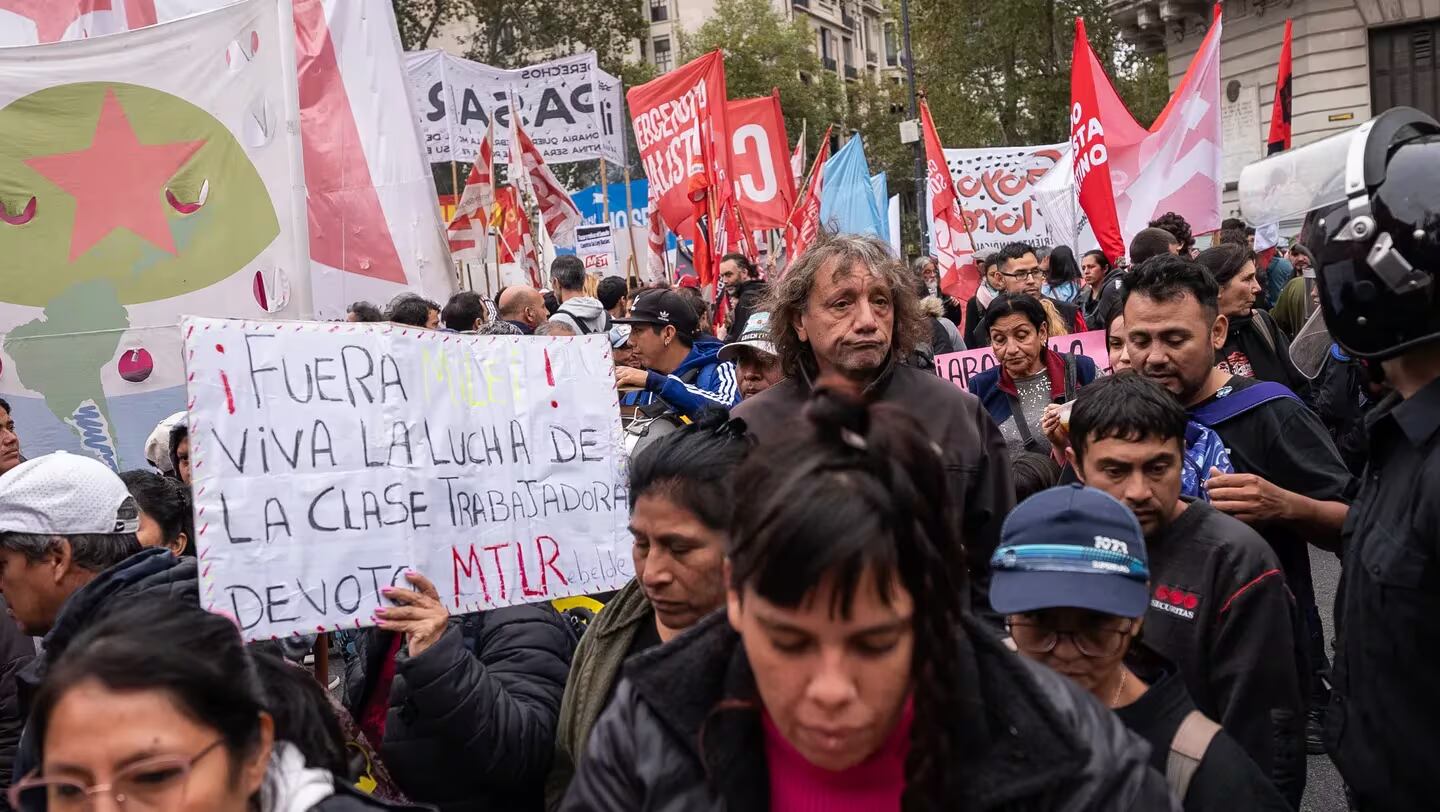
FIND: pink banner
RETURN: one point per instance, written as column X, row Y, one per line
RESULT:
column 960, row 367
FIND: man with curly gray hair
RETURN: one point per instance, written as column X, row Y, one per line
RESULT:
column 847, row 307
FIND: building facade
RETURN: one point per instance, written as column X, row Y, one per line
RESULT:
column 1351, row 59
column 854, row 38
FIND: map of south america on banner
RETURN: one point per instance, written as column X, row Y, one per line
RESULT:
column 141, row 178
column 373, row 224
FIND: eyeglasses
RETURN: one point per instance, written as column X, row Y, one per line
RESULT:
column 1094, row 641
column 153, row 785
column 1033, row 273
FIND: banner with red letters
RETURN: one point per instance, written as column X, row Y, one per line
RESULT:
column 996, row 186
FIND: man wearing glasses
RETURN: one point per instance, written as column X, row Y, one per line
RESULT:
column 1020, row 272
column 1219, row 607
column 1072, row 577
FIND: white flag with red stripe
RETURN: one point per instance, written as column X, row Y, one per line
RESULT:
column 557, row 211
column 797, row 158
column 658, row 266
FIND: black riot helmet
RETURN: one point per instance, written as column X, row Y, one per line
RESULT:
column 1371, row 201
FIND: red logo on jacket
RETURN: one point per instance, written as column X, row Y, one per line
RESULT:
column 1176, row 601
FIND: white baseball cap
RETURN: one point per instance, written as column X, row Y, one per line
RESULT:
column 64, row 494
column 755, row 336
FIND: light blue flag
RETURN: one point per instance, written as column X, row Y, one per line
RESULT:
column 881, row 188
column 847, row 202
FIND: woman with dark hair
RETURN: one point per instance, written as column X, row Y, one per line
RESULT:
column 681, row 501
column 165, row 516
column 1029, row 375
column 1255, row 346
column 1062, row 281
column 846, row 673
column 160, row 706
column 1094, row 272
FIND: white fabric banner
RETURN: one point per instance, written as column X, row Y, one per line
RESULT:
column 996, row 186
column 141, row 180
column 493, row 465
column 559, row 107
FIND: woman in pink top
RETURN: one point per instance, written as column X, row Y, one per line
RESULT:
column 845, row 673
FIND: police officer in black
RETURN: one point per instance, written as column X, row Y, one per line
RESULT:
column 1373, row 197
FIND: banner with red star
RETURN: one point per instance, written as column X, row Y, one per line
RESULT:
column 139, row 180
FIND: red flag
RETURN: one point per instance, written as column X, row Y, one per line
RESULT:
column 468, row 237
column 1280, row 115
column 700, row 252
column 764, row 184
column 678, row 118
column 515, row 243
column 1088, row 146
column 557, row 211
column 803, row 225
column 954, row 252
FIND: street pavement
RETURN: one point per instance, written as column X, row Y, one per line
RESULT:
column 1324, row 791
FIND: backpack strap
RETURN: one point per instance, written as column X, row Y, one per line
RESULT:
column 1240, row 401
column 1262, row 326
column 1187, row 750
column 1027, row 438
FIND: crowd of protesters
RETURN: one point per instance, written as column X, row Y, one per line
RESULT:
column 857, row 585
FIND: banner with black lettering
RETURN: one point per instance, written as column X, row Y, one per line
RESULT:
column 330, row 459
column 560, row 107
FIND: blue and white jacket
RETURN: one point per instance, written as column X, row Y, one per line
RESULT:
column 699, row 382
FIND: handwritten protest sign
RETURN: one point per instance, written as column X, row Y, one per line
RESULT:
column 329, row 459
column 960, row 367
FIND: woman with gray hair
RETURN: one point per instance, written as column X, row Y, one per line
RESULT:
column 847, row 307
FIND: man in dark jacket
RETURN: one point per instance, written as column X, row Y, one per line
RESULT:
column 69, row 556
column 1220, row 610
column 1040, row 742
column 16, row 650
column 742, row 284
column 466, row 708
column 850, row 309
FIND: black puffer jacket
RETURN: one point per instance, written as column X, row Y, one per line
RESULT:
column 472, row 720
column 16, row 650
column 684, row 733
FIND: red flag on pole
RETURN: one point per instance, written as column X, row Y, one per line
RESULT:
column 1279, row 140
column 1091, row 157
column 764, row 184
column 678, row 118
column 955, row 253
column 803, row 225
column 557, row 211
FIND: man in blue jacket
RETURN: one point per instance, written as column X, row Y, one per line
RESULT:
column 680, row 367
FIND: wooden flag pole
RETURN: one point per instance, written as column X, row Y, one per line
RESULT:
column 632, row 269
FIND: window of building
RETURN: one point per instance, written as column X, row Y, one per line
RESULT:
column 826, row 49
column 664, row 60
column 659, row 11
column 892, row 46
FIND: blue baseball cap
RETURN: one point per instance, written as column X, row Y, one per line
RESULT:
column 1071, row 546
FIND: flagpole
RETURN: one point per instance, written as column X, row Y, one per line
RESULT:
column 464, row 273
column 632, row 269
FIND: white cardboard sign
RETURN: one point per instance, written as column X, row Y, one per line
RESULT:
column 329, row 459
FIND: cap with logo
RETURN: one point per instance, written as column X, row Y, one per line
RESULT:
column 619, row 335
column 664, row 308
column 755, row 336
column 64, row 494
column 1070, row 546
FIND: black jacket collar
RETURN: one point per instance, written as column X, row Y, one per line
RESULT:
column 1013, row 743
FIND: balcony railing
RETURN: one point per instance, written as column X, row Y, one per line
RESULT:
column 828, row 62
column 851, row 72
column 848, row 21
column 800, row 3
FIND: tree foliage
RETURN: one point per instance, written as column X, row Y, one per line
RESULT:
column 997, row 72
column 512, row 33
column 763, row 50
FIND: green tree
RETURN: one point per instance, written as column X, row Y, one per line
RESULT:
column 997, row 72
column 511, row 33
column 763, row 50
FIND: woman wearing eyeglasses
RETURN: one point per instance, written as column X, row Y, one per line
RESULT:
column 1071, row 576
column 159, row 708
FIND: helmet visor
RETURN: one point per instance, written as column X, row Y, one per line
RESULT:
column 1290, row 184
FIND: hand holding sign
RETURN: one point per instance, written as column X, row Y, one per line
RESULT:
column 418, row 615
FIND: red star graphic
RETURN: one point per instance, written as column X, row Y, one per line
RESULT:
column 117, row 182
column 52, row 17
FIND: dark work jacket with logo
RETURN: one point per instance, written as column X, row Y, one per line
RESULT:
column 1221, row 612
